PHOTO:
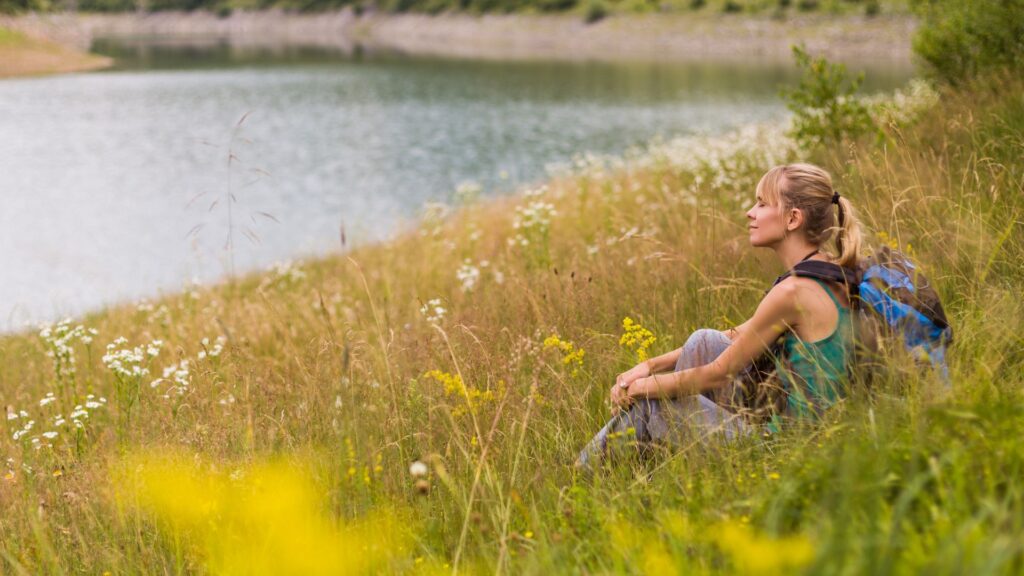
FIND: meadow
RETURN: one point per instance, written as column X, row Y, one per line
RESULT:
column 416, row 406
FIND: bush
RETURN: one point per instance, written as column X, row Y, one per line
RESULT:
column 959, row 39
column 595, row 10
column 731, row 7
column 807, row 5
column 825, row 107
column 697, row 4
column 106, row 5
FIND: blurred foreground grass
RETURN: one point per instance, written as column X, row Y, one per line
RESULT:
column 274, row 418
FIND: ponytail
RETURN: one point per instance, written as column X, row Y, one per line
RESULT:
column 848, row 235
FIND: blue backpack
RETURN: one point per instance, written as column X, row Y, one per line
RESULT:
column 889, row 291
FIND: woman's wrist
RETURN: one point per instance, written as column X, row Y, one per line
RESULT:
column 638, row 388
column 648, row 367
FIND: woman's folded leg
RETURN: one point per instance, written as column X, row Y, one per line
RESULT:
column 654, row 422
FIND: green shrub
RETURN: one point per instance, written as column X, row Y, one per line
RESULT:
column 697, row 4
column 731, row 7
column 872, row 8
column 807, row 5
column 958, row 39
column 106, row 5
column 16, row 6
column 825, row 107
column 594, row 11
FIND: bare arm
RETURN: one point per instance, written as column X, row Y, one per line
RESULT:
column 734, row 332
column 665, row 362
column 775, row 314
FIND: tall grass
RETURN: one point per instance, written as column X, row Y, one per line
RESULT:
column 347, row 366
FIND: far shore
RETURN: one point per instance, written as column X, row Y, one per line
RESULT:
column 27, row 51
column 661, row 37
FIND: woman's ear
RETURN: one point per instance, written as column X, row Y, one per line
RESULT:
column 794, row 219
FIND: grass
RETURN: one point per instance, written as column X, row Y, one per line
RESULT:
column 334, row 369
column 22, row 55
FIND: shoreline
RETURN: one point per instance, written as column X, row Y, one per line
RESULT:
column 671, row 37
column 27, row 50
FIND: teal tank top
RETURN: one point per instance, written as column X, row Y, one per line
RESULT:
column 814, row 373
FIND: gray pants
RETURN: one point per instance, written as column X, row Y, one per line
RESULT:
column 652, row 422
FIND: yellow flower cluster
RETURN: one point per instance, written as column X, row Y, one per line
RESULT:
column 636, row 337
column 893, row 243
column 474, row 397
column 754, row 553
column 571, row 355
column 263, row 519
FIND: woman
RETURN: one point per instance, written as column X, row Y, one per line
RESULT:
column 796, row 213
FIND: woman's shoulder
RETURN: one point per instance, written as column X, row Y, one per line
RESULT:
column 802, row 290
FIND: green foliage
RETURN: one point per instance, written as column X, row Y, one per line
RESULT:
column 595, row 10
column 959, row 39
column 15, row 6
column 824, row 104
column 106, row 5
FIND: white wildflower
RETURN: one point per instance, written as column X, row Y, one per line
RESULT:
column 468, row 275
column 128, row 362
column 467, row 192
column 433, row 311
column 532, row 221
column 418, row 469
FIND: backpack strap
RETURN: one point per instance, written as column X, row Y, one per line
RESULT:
column 824, row 271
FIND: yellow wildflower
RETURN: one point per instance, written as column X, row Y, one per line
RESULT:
column 753, row 553
column 571, row 355
column 269, row 522
column 474, row 397
column 636, row 337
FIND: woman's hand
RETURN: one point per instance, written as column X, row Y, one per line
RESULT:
column 641, row 370
column 621, row 400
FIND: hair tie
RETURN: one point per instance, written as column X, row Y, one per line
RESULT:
column 835, row 198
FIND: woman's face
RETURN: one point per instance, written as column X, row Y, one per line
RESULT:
column 766, row 224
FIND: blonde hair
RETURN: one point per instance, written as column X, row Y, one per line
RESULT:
column 809, row 189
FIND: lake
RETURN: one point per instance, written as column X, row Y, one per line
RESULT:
column 116, row 185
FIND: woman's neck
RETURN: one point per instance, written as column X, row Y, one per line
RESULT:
column 793, row 252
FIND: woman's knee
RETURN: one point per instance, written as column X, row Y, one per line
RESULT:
column 703, row 346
